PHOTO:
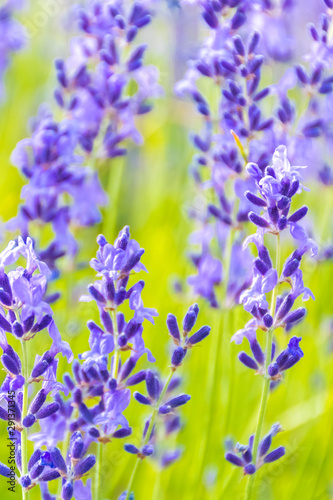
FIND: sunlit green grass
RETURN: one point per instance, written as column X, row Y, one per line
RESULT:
column 149, row 191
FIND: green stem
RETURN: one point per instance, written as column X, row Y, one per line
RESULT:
column 98, row 471
column 148, row 433
column 265, row 390
column 24, row 433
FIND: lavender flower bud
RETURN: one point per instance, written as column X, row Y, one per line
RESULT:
column 178, row 356
column 198, row 336
column 299, row 214
column 247, row 361
column 18, row 329
column 37, row 402
column 67, row 490
column 29, row 420
column 275, row 455
column 10, row 364
column 58, row 460
column 273, row 369
column 189, row 321
column 173, row 328
column 122, row 433
column 137, row 378
column 152, row 384
column 84, row 466
column 141, row 399
column 34, row 458
column 178, row 401
column 50, row 475
column 47, row 410
column 5, row 325
column 258, row 221
column 259, row 202
column 147, row 450
column 36, row 470
column 296, row 315
column 250, row 469
column 234, row 459
column 130, row 448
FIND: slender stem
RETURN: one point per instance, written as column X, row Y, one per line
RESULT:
column 24, row 433
column 149, row 430
column 98, row 471
column 265, row 390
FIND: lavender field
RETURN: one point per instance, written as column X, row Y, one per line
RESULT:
column 166, row 259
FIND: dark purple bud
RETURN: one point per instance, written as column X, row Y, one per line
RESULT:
column 141, row 399
column 238, row 20
column 58, row 460
column 18, row 329
column 147, row 450
column 122, row 433
column 273, row 214
column 133, row 260
column 11, row 364
column 261, row 95
column 84, row 466
column 285, row 307
column 257, row 352
column 107, row 321
column 177, row 356
column 210, row 19
column 238, row 44
column 120, row 296
column 301, row 74
column 264, row 256
column 189, row 320
column 131, row 34
column 36, row 470
column 5, row 325
column 94, row 433
column 265, row 445
column 77, row 396
column 282, row 224
column 68, row 381
column 137, row 378
column 258, row 221
column 37, row 402
column 86, row 413
column 96, row 294
column 48, row 410
column 178, row 400
column 247, row 361
column 173, row 328
column 234, row 459
column 296, row 315
column 5, row 298
column 46, row 320
column 34, row 458
column 283, row 202
column 152, row 384
column 25, row 481
column 293, row 189
column 4, row 470
column 275, row 455
column 255, row 64
column 198, row 336
column 268, row 320
column 253, row 41
column 290, row 267
column 261, row 266
column 50, row 475
column 249, row 469
column 299, row 214
column 259, row 202
column 127, row 368
column 67, row 491
column 273, row 369
column 132, row 328
column 29, row 420
column 164, row 409
column 130, row 448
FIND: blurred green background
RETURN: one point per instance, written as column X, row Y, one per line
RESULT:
column 149, row 190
